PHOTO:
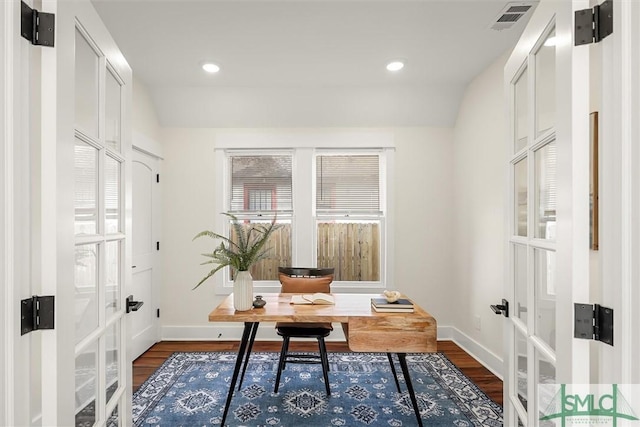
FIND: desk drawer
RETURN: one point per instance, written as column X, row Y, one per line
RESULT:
column 393, row 334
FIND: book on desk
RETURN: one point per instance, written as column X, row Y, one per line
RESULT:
column 317, row 298
column 402, row 305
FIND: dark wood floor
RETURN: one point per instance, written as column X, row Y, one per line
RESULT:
column 148, row 362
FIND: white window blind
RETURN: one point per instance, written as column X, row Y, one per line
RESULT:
column 260, row 183
column 348, row 184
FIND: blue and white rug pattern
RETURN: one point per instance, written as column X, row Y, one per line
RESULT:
column 190, row 389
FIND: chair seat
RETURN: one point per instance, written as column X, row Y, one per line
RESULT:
column 325, row 325
column 313, row 331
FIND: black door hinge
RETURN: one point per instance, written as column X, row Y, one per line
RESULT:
column 157, row 177
column 593, row 25
column 158, row 313
column 157, row 246
column 593, row 322
column 37, row 27
column 37, row 313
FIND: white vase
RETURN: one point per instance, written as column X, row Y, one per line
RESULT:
column 243, row 291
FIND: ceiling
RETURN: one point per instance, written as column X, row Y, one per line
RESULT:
column 299, row 63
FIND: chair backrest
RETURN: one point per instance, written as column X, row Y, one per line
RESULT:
column 305, row 280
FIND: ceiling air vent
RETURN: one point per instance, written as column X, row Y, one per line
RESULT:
column 510, row 14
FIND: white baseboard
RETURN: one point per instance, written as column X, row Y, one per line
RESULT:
column 228, row 332
column 486, row 357
column 233, row 332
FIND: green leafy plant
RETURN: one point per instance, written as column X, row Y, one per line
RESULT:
column 240, row 253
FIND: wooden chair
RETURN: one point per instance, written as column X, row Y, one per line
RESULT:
column 304, row 281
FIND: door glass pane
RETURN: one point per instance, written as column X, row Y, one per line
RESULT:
column 112, row 282
column 112, row 358
column 520, row 271
column 546, row 374
column 86, row 365
column 544, row 276
column 86, row 289
column 520, row 197
column 112, row 421
column 351, row 247
column 86, row 188
column 86, row 80
column 521, row 115
column 546, row 192
column 521, row 368
column 112, row 194
column 112, row 112
column 546, row 85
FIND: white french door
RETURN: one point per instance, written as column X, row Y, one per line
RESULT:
column 547, row 89
column 86, row 104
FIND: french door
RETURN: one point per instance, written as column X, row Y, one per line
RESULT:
column 547, row 92
column 86, row 104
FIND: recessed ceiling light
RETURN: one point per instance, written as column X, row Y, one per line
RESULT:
column 395, row 65
column 210, row 67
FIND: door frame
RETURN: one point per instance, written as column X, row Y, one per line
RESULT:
column 620, row 190
column 150, row 149
column 6, row 217
column 19, row 145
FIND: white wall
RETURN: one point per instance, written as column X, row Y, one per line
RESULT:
column 423, row 223
column 144, row 118
column 479, row 188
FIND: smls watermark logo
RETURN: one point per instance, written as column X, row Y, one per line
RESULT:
column 589, row 404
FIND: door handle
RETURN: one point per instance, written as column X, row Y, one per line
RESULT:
column 501, row 308
column 133, row 305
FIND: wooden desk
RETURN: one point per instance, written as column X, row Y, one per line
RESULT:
column 366, row 330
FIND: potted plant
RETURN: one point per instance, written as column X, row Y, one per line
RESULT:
column 247, row 247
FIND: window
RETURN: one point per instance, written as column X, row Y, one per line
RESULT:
column 331, row 204
column 260, row 182
column 261, row 188
column 348, row 215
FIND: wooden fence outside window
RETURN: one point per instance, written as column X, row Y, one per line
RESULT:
column 352, row 249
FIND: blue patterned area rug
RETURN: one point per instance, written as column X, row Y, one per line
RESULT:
column 190, row 389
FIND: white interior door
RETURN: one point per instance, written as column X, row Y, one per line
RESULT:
column 87, row 138
column 144, row 285
column 546, row 82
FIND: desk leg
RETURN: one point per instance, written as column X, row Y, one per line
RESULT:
column 236, row 370
column 407, row 379
column 254, row 330
column 393, row 370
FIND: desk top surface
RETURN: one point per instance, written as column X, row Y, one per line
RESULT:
column 279, row 309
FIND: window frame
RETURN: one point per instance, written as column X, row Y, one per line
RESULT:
column 347, row 285
column 304, row 149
